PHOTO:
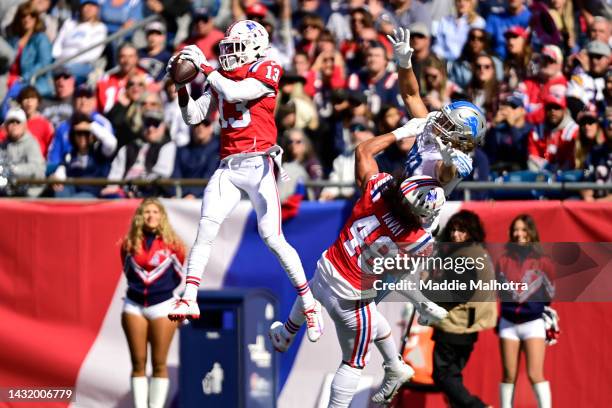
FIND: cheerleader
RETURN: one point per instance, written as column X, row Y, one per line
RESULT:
column 152, row 256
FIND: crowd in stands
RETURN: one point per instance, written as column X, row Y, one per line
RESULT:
column 540, row 70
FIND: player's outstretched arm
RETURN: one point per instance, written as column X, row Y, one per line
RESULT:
column 408, row 84
column 365, row 164
column 238, row 91
column 194, row 112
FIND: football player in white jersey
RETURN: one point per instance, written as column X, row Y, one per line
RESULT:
column 442, row 139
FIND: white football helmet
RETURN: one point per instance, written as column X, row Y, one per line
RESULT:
column 461, row 123
column 424, row 196
column 245, row 41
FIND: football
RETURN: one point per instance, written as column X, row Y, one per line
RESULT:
column 183, row 71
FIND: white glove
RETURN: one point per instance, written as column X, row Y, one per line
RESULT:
column 401, row 47
column 412, row 128
column 194, row 54
column 454, row 157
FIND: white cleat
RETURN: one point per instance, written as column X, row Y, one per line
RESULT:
column 430, row 313
column 392, row 382
column 184, row 309
column 279, row 336
column 314, row 322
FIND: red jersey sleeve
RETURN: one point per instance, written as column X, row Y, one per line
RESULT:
column 377, row 185
column 266, row 71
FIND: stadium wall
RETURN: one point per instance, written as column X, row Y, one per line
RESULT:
column 61, row 291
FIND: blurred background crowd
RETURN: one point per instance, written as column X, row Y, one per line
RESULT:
column 540, row 70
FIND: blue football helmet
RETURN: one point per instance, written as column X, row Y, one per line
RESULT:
column 461, row 123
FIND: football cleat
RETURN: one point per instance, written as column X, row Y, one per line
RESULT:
column 279, row 336
column 314, row 322
column 430, row 313
column 392, row 382
column 184, row 309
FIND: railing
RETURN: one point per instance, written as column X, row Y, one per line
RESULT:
column 119, row 34
column 466, row 186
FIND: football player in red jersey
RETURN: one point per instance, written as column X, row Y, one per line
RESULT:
column 387, row 220
column 244, row 90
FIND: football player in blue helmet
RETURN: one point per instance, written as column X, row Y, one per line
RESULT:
column 442, row 139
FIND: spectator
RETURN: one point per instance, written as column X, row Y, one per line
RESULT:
column 112, row 85
column 363, row 32
column 562, row 13
column 460, row 71
column 590, row 137
column 587, row 89
column 120, row 14
column 33, row 49
column 436, row 88
column 58, row 108
column 506, row 141
column 84, row 104
column 452, row 32
column 309, row 8
column 299, row 152
column 29, row 99
column 420, row 41
column 291, row 89
column 92, row 149
column 154, row 57
column 325, row 75
column 375, row 81
column 600, row 29
column 310, row 29
column 126, row 115
column 339, row 22
column 483, row 89
column 521, row 326
column 551, row 146
column 147, row 158
column 179, row 130
column 76, row 36
column 408, row 12
column 204, row 35
column 516, row 14
column 170, row 11
column 301, row 63
column 393, row 159
column 469, row 312
column 282, row 47
column 550, row 74
column 599, row 161
column 198, row 159
column 589, row 9
column 21, row 150
column 518, row 56
column 344, row 165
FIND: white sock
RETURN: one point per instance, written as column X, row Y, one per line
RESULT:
column 542, row 392
column 386, row 344
column 506, row 395
column 140, row 392
column 296, row 318
column 343, row 386
column 199, row 255
column 158, row 391
column 291, row 263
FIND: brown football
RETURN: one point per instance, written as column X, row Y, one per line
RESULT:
column 183, row 71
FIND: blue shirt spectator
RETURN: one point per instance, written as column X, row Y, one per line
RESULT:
column 199, row 159
column 516, row 14
column 116, row 15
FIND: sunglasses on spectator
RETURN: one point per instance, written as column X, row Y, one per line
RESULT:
column 553, row 106
column 306, row 26
column 432, row 76
column 203, row 19
column 548, row 60
column 476, row 38
column 62, row 76
column 32, row 14
column 358, row 128
column 588, row 121
column 484, row 66
column 152, row 123
column 595, row 56
column 85, row 133
column 12, row 122
column 418, row 35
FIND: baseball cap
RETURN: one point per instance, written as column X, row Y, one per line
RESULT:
column 61, row 71
column 257, row 10
column 156, row 26
column 419, row 28
column 292, row 77
column 17, row 114
column 96, row 2
column 514, row 100
column 553, row 52
column 556, row 96
column 517, row 31
column 598, row 48
column 84, row 90
column 201, row 14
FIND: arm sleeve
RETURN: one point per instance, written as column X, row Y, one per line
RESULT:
column 238, row 91
column 196, row 111
column 118, row 166
column 107, row 139
column 165, row 161
column 56, row 51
